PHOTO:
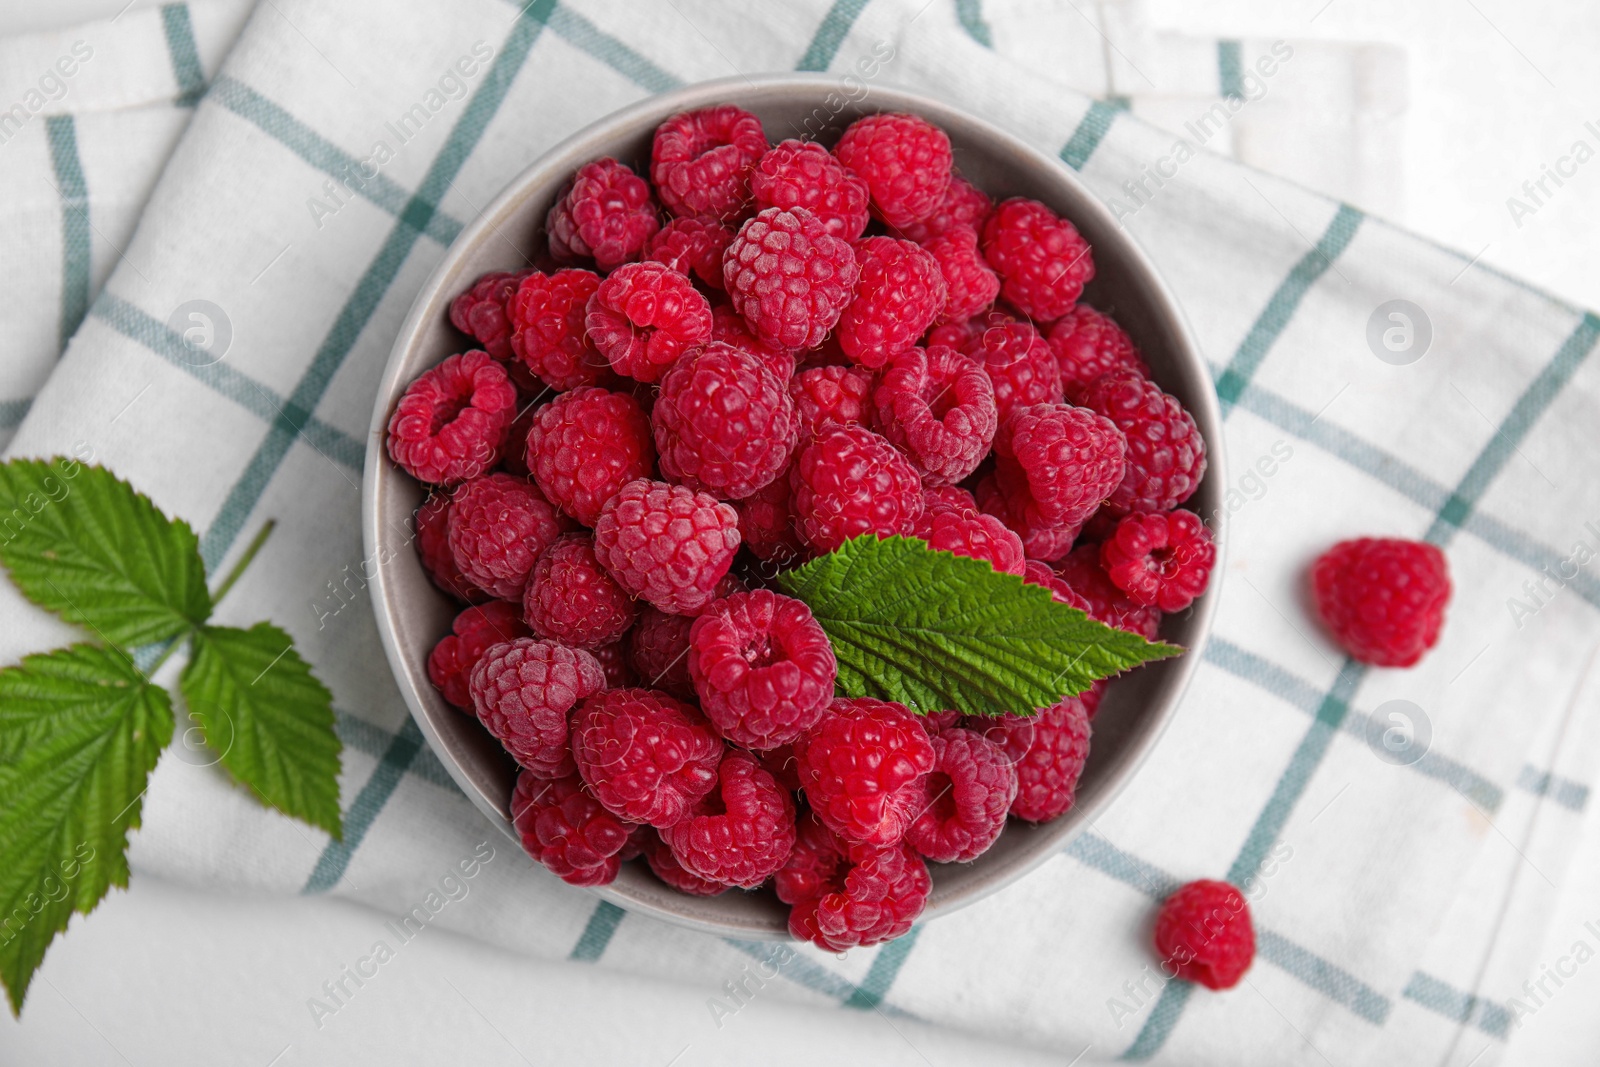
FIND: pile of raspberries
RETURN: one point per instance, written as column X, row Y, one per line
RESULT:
column 719, row 370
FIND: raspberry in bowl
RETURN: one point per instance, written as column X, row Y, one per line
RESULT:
column 720, row 378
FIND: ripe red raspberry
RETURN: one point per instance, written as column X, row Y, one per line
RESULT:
column 781, row 764
column 499, row 525
column 1081, row 570
column 613, row 660
column 899, row 294
column 830, row 396
column 586, row 445
column 567, row 830
column 1042, row 260
column 1018, row 361
column 658, row 649
column 813, row 862
column 1071, row 459
column 1383, row 599
column 724, row 423
column 572, row 599
column 452, row 420
column 741, row 833
column 905, row 161
column 667, row 868
column 1010, row 503
column 971, row 286
column 433, row 545
column 606, row 213
column 644, row 316
column 514, row 454
column 766, row 524
column 1205, row 931
column 804, row 174
column 874, row 897
column 667, row 544
column 728, row 326
column 647, row 757
column 968, row 533
column 936, row 406
column 1166, row 454
column 862, row 768
column 789, row 277
column 963, row 204
column 762, row 667
column 964, row 799
column 475, row 629
column 1162, row 559
column 523, row 691
column 480, row 312
column 1087, row 344
column 948, row 496
column 701, row 161
column 1048, row 750
column 1040, row 574
column 547, row 330
column 692, row 246
column 849, row 481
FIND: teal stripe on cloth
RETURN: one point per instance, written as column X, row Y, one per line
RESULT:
column 1571, row 795
column 807, row 974
column 585, row 35
column 62, row 131
column 1230, row 69
column 1161, row 1021
column 12, row 412
column 1442, row 998
column 597, row 932
column 184, row 54
column 1092, row 850
column 335, row 858
column 1092, row 129
column 884, row 969
column 830, row 34
column 970, row 14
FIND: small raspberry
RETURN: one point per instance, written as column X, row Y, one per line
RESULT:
column 514, row 455
column 936, row 722
column 658, row 648
column 1205, row 931
column 644, row 316
column 964, row 799
column 1162, row 559
column 742, row 832
column 523, row 691
column 1166, row 454
column 729, row 327
column 804, row 174
column 547, row 330
column 899, row 294
column 1081, row 570
column 849, row 481
column 948, row 496
column 499, row 526
column 647, row 757
column 936, row 406
column 692, row 246
column 1071, row 459
column 572, row 599
column 1383, row 599
column 970, row 284
column 701, row 161
column 667, row 544
column 606, row 213
column 1048, row 750
column 1040, row 574
column 475, row 629
column 724, row 423
column 1091, row 697
column 963, row 204
column 613, row 659
column 452, row 420
column 586, row 445
column 766, row 524
column 667, row 868
column 830, row 396
column 567, row 830
column 1042, row 260
column 813, row 862
column 968, row 533
column 480, row 312
column 1017, row 359
column 789, row 277
column 762, row 667
column 862, row 768
column 905, row 161
column 1087, row 344
column 433, row 545
column 1010, row 503
column 874, row 899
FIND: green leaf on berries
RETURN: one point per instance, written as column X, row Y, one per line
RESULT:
column 81, row 730
column 937, row 631
column 268, row 719
column 81, row 542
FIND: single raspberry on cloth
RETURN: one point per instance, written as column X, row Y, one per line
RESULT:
column 849, row 481
column 474, row 630
column 523, row 691
column 571, row 598
column 606, row 213
column 1042, row 260
column 900, row 291
column 644, row 316
column 645, row 756
column 905, row 161
column 480, row 311
column 1383, row 599
column 451, row 421
column 499, row 526
column 585, row 445
column 743, row 830
column 1088, row 343
column 667, row 544
column 862, row 767
column 547, row 329
column 789, row 277
column 937, row 406
column 567, row 830
column 1070, row 459
column 724, row 423
column 1162, row 559
column 701, row 161
column 1205, row 931
column 804, row 174
column 1166, row 455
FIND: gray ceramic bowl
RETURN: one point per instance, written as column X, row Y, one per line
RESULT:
column 413, row 615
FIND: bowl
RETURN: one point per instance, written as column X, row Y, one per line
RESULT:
column 412, row 614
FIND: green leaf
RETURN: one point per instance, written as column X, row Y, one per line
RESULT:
column 268, row 718
column 80, row 542
column 81, row 730
column 937, row 631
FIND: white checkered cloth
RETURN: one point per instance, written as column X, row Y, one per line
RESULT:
column 1398, row 908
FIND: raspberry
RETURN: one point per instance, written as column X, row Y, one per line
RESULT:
column 690, row 245
column 937, row 407
column 830, row 396
column 1091, row 697
column 701, row 161
column 899, row 294
column 565, row 829
column 862, row 768
column 965, row 798
column 1205, row 931
column 724, row 423
column 1048, row 750
column 475, row 629
column 766, row 524
column 658, row 648
column 970, row 285
column 804, row 174
column 873, row 900
column 586, row 445
column 480, row 312
column 968, row 533
column 963, row 204
column 1042, row 260
column 452, row 420
column 1012, row 506
column 849, row 481
column 1082, row 572
column 1070, row 459
column 548, row 334
column 1163, row 560
column 813, row 863
column 947, row 496
column 667, row 544
column 647, row 757
column 499, row 525
column 644, row 316
column 1088, row 344
column 613, row 660
column 789, row 277
column 741, row 833
column 667, row 868
column 762, row 667
column 936, row 722
column 781, row 764
column 728, row 326
column 1383, row 599
column 606, row 213
column 1018, row 361
column 905, row 161
column 523, row 691
column 1040, row 574
column 1166, row 454
column 514, row 454
column 572, row 599
column 433, row 545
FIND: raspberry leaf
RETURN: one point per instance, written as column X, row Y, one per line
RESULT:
column 937, row 631
column 80, row 730
column 82, row 543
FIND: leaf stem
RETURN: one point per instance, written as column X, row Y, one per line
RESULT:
column 244, row 560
